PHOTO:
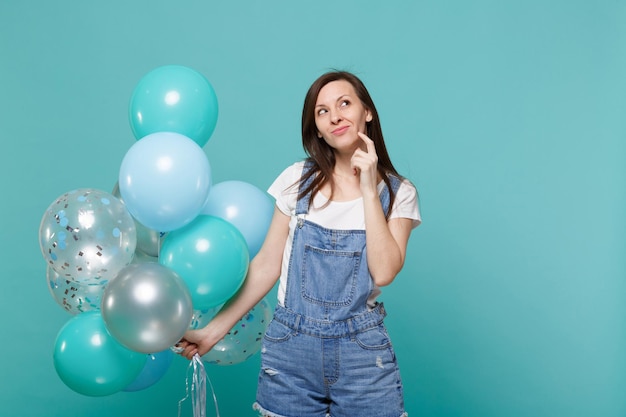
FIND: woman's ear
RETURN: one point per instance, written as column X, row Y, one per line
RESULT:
column 368, row 116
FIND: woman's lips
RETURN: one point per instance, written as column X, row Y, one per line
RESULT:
column 340, row 130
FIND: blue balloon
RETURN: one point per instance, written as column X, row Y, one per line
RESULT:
column 156, row 366
column 90, row 361
column 165, row 180
column 247, row 207
column 211, row 256
column 177, row 99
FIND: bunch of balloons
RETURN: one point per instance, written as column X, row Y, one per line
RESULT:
column 160, row 254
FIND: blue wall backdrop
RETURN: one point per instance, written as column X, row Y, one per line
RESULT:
column 510, row 117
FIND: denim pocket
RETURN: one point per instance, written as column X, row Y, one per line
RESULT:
column 329, row 277
column 277, row 332
column 373, row 339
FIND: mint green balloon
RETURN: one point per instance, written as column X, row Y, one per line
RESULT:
column 90, row 361
column 174, row 98
column 211, row 256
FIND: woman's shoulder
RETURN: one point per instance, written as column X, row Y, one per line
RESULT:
column 401, row 184
column 406, row 203
column 288, row 178
column 297, row 166
column 407, row 186
column 292, row 172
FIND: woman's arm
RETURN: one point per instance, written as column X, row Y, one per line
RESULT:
column 386, row 240
column 263, row 273
column 386, row 243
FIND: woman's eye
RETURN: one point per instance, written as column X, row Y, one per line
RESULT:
column 321, row 111
column 345, row 103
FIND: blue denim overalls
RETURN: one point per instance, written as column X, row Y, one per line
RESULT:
column 326, row 353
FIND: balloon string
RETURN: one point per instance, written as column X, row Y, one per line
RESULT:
column 180, row 403
column 217, row 411
column 198, row 389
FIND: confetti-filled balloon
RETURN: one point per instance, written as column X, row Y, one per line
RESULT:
column 244, row 339
column 73, row 296
column 201, row 318
column 147, row 307
column 90, row 361
column 173, row 98
column 87, row 235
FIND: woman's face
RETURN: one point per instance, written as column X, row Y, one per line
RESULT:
column 340, row 115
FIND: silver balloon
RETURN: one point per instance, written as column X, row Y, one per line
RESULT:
column 147, row 307
column 148, row 240
column 73, row 296
column 141, row 257
column 87, row 235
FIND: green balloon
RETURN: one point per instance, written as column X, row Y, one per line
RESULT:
column 90, row 361
column 174, row 98
column 211, row 256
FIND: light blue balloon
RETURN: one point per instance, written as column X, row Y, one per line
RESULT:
column 247, row 207
column 174, row 98
column 90, row 361
column 165, row 180
column 156, row 366
column 211, row 256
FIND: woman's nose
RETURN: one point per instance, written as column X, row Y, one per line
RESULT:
column 335, row 116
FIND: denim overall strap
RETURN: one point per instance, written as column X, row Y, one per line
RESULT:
column 302, row 205
column 385, row 197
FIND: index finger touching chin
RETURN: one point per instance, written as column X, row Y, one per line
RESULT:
column 368, row 142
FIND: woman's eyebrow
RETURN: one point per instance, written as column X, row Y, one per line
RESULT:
column 337, row 99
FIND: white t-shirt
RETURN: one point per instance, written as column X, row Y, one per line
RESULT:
column 346, row 215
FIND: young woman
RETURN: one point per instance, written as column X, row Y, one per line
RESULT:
column 339, row 232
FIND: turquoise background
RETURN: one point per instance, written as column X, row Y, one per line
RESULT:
column 509, row 116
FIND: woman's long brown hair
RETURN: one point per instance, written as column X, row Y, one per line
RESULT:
column 321, row 155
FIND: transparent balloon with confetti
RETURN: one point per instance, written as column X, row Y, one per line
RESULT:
column 72, row 296
column 201, row 318
column 244, row 339
column 87, row 235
